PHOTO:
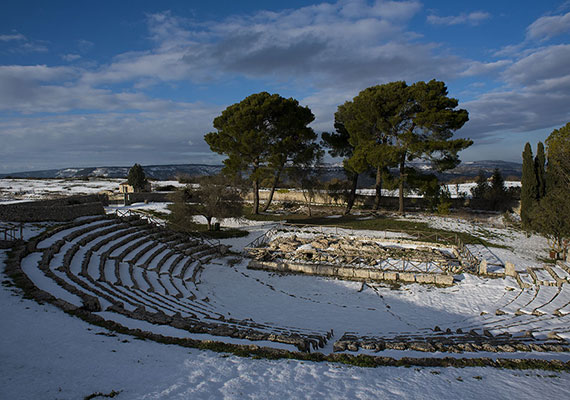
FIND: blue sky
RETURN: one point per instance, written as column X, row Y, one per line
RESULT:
column 114, row 83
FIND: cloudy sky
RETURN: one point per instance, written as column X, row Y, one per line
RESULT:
column 92, row 83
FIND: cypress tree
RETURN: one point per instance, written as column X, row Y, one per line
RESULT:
column 539, row 165
column 529, row 190
column 137, row 178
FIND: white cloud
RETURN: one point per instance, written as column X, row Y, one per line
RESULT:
column 549, row 26
column 70, row 57
column 473, row 18
column 12, row 37
column 544, row 63
column 35, row 89
column 536, row 95
column 331, row 51
column 329, row 45
column 108, row 138
column 482, row 68
column 19, row 43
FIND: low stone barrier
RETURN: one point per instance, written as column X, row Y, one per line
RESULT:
column 351, row 273
column 65, row 209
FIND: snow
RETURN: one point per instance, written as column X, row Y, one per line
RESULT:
column 33, row 189
column 161, row 207
column 455, row 190
column 29, row 266
column 48, row 354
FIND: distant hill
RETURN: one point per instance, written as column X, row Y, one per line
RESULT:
column 329, row 171
column 158, row 172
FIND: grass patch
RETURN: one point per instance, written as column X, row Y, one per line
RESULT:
column 224, row 233
column 382, row 223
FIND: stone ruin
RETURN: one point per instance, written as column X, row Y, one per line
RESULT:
column 139, row 272
column 359, row 258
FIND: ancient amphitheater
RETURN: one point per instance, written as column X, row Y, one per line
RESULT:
column 377, row 294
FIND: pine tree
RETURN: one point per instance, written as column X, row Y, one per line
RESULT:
column 539, row 165
column 497, row 196
column 260, row 135
column 529, row 191
column 137, row 178
column 480, row 191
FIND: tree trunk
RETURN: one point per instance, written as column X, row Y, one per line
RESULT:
column 378, row 188
column 209, row 220
column 352, row 194
column 255, row 197
column 401, row 185
column 273, row 187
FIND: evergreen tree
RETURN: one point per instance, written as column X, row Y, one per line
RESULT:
column 137, row 178
column 480, row 191
column 539, row 167
column 291, row 141
column 497, row 195
column 339, row 146
column 396, row 123
column 260, row 135
column 529, row 190
column 551, row 217
column 558, row 152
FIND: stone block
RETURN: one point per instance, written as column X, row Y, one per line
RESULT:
column 390, row 276
column 407, row 277
column 327, row 270
column 483, row 267
column 309, row 269
column 361, row 273
column 345, row 272
column 446, row 280
column 425, row 278
column 510, row 269
column 376, row 275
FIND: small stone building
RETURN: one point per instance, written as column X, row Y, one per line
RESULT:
column 124, row 187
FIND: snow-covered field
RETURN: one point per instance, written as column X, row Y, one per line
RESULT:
column 12, row 190
column 46, row 353
column 455, row 190
column 27, row 189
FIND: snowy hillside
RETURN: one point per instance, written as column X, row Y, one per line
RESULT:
column 327, row 171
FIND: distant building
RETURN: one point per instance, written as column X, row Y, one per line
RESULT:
column 124, row 187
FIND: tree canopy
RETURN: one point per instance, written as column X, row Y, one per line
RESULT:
column 395, row 123
column 529, row 189
column 558, row 151
column 260, row 135
column 137, row 178
column 551, row 215
column 339, row 146
column 213, row 197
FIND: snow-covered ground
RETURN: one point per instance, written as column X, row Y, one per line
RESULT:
column 47, row 354
column 455, row 190
column 13, row 190
column 32, row 189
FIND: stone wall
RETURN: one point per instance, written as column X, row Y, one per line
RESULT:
column 361, row 200
column 141, row 197
column 64, row 209
column 352, row 273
